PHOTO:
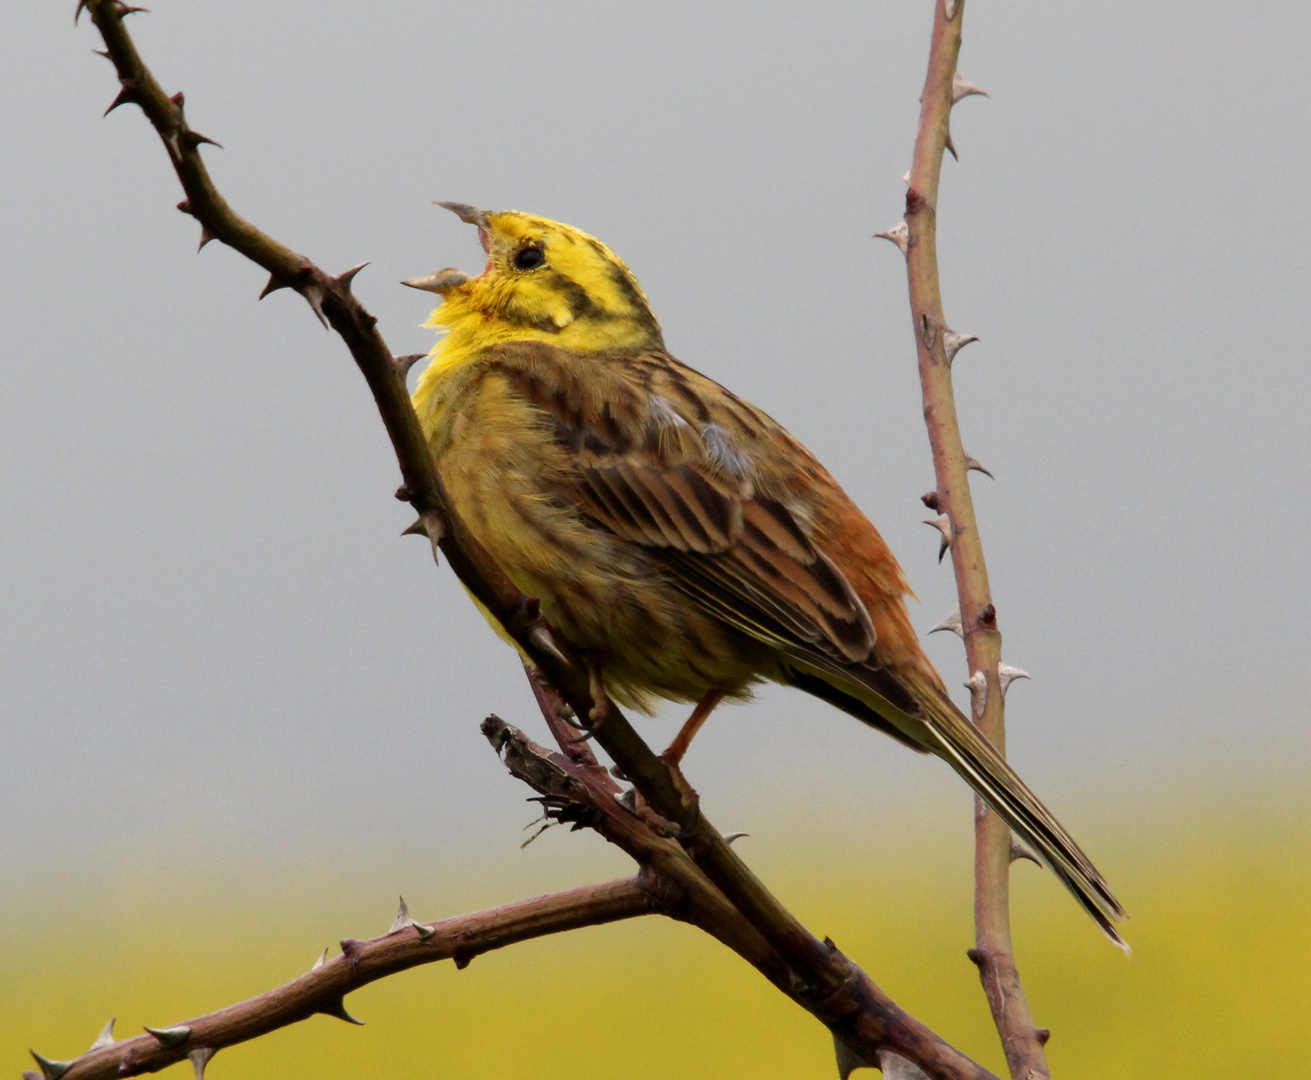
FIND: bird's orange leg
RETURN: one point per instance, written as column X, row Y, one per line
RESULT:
column 683, row 740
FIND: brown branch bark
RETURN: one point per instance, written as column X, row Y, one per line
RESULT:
column 936, row 345
column 859, row 1014
column 323, row 989
column 814, row 973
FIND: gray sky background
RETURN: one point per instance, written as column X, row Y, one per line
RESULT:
column 213, row 641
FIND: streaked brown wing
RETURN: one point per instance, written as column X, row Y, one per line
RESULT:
column 652, row 466
column 673, row 506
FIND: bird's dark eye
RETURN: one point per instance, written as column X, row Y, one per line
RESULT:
column 529, row 258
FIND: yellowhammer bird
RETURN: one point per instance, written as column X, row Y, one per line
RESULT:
column 676, row 536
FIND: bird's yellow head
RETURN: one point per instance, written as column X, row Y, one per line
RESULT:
column 544, row 281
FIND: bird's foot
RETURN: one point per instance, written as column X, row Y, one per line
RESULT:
column 600, row 710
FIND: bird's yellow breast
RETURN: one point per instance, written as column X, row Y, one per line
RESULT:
column 508, row 478
column 497, row 462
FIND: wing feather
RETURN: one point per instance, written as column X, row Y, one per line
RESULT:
column 654, row 468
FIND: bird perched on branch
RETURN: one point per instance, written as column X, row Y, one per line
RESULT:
column 676, row 536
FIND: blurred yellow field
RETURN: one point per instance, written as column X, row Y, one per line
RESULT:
column 1219, row 982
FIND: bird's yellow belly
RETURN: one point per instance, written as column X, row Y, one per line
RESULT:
column 605, row 596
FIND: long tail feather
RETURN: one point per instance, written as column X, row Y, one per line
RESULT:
column 938, row 726
column 970, row 754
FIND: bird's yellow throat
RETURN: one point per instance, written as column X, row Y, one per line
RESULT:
column 546, row 282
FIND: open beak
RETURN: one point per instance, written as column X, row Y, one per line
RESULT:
column 445, row 280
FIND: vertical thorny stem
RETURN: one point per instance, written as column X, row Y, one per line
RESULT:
column 936, row 344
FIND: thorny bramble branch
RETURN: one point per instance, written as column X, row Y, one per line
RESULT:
column 323, row 988
column 976, row 622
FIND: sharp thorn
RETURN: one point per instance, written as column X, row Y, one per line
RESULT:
column 960, row 88
column 898, row 234
column 895, row 1067
column 848, row 1060
column 1044, row 1034
column 977, row 685
column 105, row 1038
column 50, row 1070
column 952, row 343
column 200, row 1058
column 314, row 297
column 185, row 207
column 121, row 98
column 77, row 15
column 402, row 919
column 953, row 623
column 206, row 235
column 972, row 465
column 1007, row 675
column 273, row 286
column 337, row 1009
column 436, row 526
column 949, row 9
column 320, row 961
column 404, row 363
column 905, row 178
column 170, row 1037
column 429, row 525
column 1021, row 850
column 730, row 837
column 424, row 931
column 541, row 637
column 950, row 147
column 179, row 99
column 345, row 278
column 930, row 499
column 195, row 138
column 124, row 9
column 943, row 524
column 101, row 52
